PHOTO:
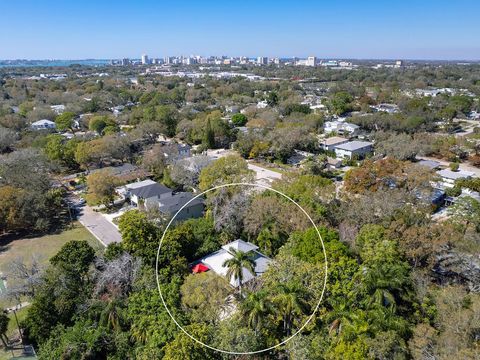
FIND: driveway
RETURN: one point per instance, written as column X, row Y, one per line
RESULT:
column 468, row 129
column 264, row 176
column 463, row 166
column 99, row 226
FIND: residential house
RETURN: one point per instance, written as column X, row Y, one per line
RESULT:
column 125, row 172
column 431, row 164
column 171, row 205
column 450, row 200
column 354, row 149
column 449, row 177
column 317, row 108
column 299, row 157
column 216, row 260
column 232, row 109
column 474, row 115
column 147, row 193
column 184, row 150
column 116, row 110
column 150, row 194
column 43, row 125
column 262, row 104
column 340, row 127
column 58, row 109
column 328, row 144
column 388, row 108
column 334, row 163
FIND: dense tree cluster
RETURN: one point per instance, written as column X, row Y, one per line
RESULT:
column 400, row 284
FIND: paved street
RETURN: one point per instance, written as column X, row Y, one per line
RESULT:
column 99, row 226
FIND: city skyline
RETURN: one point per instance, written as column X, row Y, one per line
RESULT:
column 430, row 30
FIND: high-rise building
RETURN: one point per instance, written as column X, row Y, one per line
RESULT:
column 262, row 60
column 144, row 59
column 311, row 61
column 125, row 62
column 189, row 61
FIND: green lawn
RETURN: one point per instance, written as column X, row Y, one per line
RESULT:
column 13, row 330
column 278, row 168
column 44, row 247
column 12, row 325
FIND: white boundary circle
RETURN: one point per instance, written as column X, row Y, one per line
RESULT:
column 291, row 336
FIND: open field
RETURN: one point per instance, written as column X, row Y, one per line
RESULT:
column 43, row 247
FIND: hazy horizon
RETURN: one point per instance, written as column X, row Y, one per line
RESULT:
column 427, row 30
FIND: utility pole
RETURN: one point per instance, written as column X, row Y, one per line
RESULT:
column 14, row 309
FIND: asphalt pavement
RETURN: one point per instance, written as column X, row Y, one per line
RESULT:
column 99, row 226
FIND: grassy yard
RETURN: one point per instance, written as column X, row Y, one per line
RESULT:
column 43, row 247
column 278, row 168
column 13, row 331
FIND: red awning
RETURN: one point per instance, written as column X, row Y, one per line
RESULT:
column 199, row 268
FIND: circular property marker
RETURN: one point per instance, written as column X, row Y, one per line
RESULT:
column 247, row 352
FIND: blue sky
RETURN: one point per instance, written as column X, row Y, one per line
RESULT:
column 428, row 29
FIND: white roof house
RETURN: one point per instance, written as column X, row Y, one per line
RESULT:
column 262, row 104
column 240, row 245
column 340, row 126
column 354, row 148
column 388, row 108
column 449, row 177
column 58, row 109
column 216, row 260
column 43, row 125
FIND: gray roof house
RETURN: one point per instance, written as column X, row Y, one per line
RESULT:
column 330, row 142
column 431, row 164
column 150, row 194
column 171, row 205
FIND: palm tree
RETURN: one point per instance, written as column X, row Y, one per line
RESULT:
column 265, row 241
column 385, row 319
column 344, row 319
column 111, row 315
column 386, row 284
column 339, row 315
column 290, row 302
column 255, row 308
column 236, row 264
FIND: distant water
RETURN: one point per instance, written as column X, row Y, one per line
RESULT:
column 52, row 63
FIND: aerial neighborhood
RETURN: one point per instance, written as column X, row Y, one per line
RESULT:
column 112, row 178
